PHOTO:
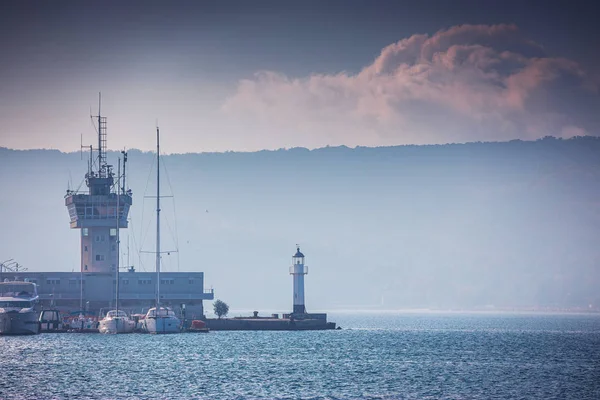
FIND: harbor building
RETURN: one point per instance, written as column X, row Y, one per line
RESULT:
column 92, row 292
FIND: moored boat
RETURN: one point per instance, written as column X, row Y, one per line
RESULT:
column 116, row 321
column 18, row 314
column 163, row 321
column 51, row 321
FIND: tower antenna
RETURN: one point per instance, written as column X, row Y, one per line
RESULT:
column 103, row 168
column 124, row 170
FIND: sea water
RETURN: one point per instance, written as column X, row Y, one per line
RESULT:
column 377, row 355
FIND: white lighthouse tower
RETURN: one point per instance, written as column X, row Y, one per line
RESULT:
column 298, row 270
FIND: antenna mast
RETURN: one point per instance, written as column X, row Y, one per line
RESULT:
column 157, row 221
column 118, row 226
column 124, row 164
column 102, row 167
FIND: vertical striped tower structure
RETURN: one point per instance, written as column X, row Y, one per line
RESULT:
column 96, row 213
column 298, row 270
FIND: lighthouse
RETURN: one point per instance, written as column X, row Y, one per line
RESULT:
column 298, row 270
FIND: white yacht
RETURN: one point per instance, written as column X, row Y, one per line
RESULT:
column 116, row 321
column 159, row 319
column 165, row 321
column 18, row 315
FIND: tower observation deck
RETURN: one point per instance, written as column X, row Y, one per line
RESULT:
column 99, row 211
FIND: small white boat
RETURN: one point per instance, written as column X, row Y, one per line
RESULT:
column 116, row 321
column 82, row 323
column 163, row 321
column 18, row 315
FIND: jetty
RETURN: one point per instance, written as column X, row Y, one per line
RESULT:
column 297, row 320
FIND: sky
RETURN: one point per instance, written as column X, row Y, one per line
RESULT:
column 245, row 76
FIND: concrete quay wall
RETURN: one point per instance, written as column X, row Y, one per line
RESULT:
column 267, row 324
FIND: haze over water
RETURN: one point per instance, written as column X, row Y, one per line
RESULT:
column 377, row 355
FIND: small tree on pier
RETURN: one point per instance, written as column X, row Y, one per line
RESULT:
column 221, row 308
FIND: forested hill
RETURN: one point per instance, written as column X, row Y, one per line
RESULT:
column 501, row 225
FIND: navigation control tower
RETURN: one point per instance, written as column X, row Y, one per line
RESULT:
column 95, row 211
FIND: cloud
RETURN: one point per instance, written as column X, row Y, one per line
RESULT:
column 466, row 83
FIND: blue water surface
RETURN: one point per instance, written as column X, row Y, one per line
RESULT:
column 376, row 356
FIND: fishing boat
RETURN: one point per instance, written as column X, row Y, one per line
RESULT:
column 18, row 314
column 159, row 319
column 117, row 321
column 51, row 321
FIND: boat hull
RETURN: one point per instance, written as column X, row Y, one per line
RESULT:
column 116, row 325
column 162, row 325
column 19, row 323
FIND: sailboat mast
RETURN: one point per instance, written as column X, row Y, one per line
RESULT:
column 157, row 221
column 118, row 223
column 80, row 286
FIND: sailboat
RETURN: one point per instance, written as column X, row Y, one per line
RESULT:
column 117, row 321
column 159, row 319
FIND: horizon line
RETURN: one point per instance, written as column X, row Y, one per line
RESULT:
column 342, row 146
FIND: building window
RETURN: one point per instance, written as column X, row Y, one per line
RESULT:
column 85, row 232
column 84, row 248
column 144, row 282
column 191, row 281
column 114, row 247
column 125, row 281
column 99, row 257
column 100, row 238
column 113, row 232
column 167, row 281
column 85, row 267
column 53, row 281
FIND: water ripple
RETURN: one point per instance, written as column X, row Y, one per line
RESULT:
column 382, row 357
